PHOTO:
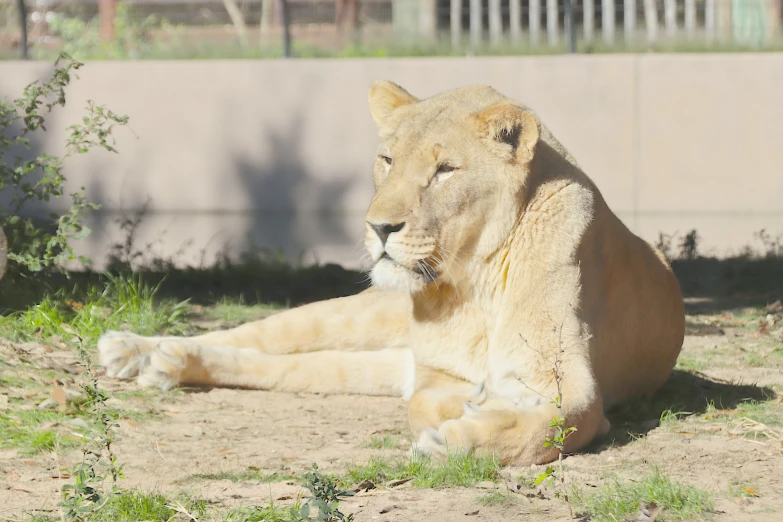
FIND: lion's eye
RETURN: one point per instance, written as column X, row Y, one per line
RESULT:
column 386, row 159
column 444, row 172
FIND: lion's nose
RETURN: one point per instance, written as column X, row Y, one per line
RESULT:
column 384, row 229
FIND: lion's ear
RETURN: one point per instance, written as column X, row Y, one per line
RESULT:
column 507, row 124
column 386, row 97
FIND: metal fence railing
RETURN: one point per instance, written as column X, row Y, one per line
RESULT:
column 234, row 28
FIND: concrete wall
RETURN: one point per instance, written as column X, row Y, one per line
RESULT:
column 279, row 152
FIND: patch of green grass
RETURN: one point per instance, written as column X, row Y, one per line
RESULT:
column 498, row 498
column 134, row 505
column 765, row 412
column 617, row 500
column 271, row 513
column 21, row 429
column 755, row 360
column 384, row 442
column 741, row 489
column 459, row 470
column 671, row 416
column 688, row 363
column 125, row 302
column 237, row 311
column 41, row 518
column 240, row 475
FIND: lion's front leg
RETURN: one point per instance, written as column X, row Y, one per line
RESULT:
column 440, row 397
column 371, row 320
column 124, row 354
column 516, row 430
column 173, row 362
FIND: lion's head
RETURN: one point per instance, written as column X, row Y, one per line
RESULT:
column 448, row 177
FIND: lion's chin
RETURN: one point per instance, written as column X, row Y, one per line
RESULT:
column 388, row 275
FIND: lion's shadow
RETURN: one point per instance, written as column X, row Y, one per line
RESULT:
column 684, row 394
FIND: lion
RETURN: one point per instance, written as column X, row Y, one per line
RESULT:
column 504, row 293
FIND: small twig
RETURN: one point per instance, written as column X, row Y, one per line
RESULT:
column 158, row 449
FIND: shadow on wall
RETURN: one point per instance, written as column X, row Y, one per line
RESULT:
column 297, row 209
column 282, row 207
column 286, row 210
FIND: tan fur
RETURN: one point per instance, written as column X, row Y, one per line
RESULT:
column 500, row 257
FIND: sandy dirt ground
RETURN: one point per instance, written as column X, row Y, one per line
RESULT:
column 181, row 434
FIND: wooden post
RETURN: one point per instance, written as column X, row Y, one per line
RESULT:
column 690, row 18
column 588, row 17
column 535, row 22
column 552, row 20
column 774, row 15
column 629, row 22
column 495, row 23
column 515, row 20
column 346, row 14
column 107, row 9
column 455, row 15
column 475, row 23
column 723, row 19
column 607, row 21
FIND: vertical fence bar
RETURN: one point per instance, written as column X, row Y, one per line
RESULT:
column 515, row 20
column 455, row 16
column 588, row 17
column 475, row 23
column 286, row 19
column 23, row 47
column 535, row 22
column 607, row 21
column 570, row 23
column 495, row 23
column 629, row 22
column 552, row 20
column 690, row 18
column 709, row 20
column 670, row 18
column 651, row 22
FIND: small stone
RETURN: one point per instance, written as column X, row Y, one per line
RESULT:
column 78, row 423
column 195, row 432
column 48, row 404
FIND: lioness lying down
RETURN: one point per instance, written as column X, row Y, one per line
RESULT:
column 496, row 261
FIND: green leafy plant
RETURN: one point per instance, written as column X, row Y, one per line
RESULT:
column 325, row 498
column 561, row 432
column 32, row 245
column 87, row 494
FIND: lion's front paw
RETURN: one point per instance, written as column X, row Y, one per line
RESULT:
column 167, row 364
column 124, row 354
column 429, row 443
